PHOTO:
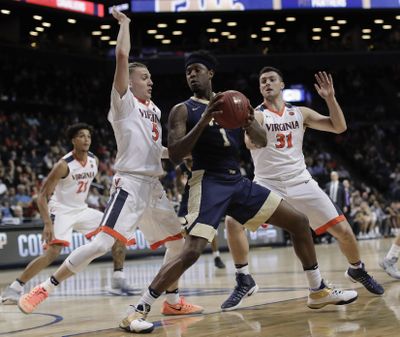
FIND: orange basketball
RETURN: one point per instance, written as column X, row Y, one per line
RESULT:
column 235, row 110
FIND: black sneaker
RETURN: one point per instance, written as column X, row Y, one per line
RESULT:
column 361, row 275
column 218, row 263
column 245, row 286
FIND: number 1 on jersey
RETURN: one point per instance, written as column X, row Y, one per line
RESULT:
column 224, row 137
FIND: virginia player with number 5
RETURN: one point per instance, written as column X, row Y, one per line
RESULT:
column 217, row 188
column 138, row 199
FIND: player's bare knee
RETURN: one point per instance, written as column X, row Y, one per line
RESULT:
column 232, row 226
column 302, row 224
column 52, row 252
column 189, row 256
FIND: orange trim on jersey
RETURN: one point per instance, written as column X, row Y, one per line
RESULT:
column 279, row 113
column 117, row 235
column 146, row 102
column 334, row 221
column 169, row 238
column 92, row 233
column 59, row 242
column 80, row 162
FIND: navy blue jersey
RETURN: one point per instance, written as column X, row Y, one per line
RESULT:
column 217, row 149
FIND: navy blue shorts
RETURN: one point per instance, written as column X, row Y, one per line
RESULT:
column 213, row 195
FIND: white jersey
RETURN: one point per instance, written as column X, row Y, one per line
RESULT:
column 282, row 158
column 137, row 130
column 71, row 192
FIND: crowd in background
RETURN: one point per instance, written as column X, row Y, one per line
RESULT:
column 39, row 100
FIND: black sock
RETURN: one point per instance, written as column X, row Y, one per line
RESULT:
column 20, row 282
column 54, row 281
column 154, row 293
column 238, row 266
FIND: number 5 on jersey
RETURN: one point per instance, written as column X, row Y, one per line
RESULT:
column 155, row 132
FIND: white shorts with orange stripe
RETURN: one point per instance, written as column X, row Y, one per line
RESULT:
column 140, row 202
column 65, row 221
column 303, row 193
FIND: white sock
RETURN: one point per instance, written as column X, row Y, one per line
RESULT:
column 119, row 274
column 357, row 265
column 49, row 284
column 148, row 298
column 16, row 286
column 216, row 254
column 243, row 270
column 393, row 252
column 172, row 298
column 314, row 278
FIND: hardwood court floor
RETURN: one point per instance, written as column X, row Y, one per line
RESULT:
column 82, row 307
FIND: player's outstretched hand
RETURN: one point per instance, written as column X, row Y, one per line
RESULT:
column 324, row 85
column 121, row 17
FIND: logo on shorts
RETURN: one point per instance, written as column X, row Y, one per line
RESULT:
column 3, row 240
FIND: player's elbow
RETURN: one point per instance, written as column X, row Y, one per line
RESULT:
column 341, row 129
column 174, row 155
column 121, row 53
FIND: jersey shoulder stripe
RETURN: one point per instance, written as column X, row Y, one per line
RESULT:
column 90, row 154
column 69, row 158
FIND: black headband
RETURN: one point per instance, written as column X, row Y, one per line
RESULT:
column 199, row 59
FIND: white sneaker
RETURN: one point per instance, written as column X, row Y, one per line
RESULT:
column 135, row 321
column 320, row 298
column 10, row 296
column 389, row 266
column 120, row 286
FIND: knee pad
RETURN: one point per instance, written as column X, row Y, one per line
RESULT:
column 85, row 254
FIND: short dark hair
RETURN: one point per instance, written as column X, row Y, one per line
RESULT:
column 203, row 57
column 73, row 129
column 268, row 69
column 134, row 65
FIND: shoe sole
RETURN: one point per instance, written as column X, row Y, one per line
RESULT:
column 252, row 291
column 355, row 281
column 23, row 310
column 127, row 328
column 397, row 277
column 321, row 305
column 8, row 301
column 179, row 313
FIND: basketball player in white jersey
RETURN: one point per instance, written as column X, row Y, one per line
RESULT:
column 137, row 196
column 280, row 166
column 67, row 186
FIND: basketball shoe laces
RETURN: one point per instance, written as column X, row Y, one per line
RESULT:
column 36, row 296
column 365, row 279
column 238, row 293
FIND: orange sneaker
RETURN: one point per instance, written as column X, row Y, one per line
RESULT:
column 181, row 308
column 27, row 303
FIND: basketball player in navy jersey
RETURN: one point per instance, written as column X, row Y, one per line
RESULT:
column 185, row 168
column 280, row 166
column 217, row 188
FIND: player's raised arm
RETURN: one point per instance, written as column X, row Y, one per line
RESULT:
column 121, row 76
column 59, row 171
column 336, row 121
